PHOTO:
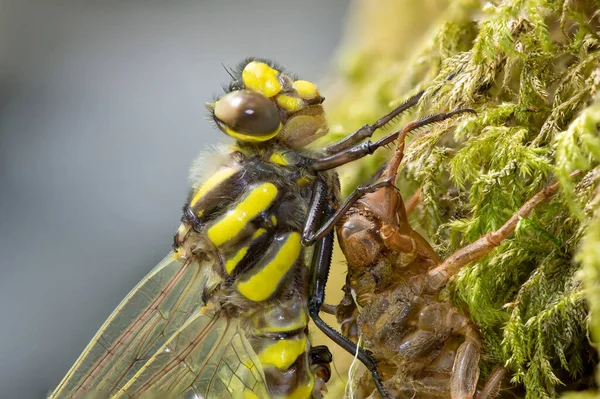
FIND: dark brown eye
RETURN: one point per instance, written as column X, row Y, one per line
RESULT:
column 248, row 112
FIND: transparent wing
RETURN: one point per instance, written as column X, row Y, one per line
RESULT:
column 160, row 329
column 209, row 357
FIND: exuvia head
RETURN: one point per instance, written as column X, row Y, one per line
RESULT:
column 263, row 103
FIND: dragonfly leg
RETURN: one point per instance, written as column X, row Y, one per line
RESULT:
column 321, row 263
column 368, row 130
column 320, row 270
column 312, row 233
column 368, row 147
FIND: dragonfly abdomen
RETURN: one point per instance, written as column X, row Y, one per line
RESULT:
column 278, row 334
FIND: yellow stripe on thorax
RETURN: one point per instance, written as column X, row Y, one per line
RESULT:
column 283, row 353
column 220, row 175
column 233, row 262
column 258, row 233
column 234, row 221
column 263, row 284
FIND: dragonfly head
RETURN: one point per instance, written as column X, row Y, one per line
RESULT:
column 263, row 103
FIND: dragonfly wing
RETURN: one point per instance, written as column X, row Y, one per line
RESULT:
column 209, row 357
column 142, row 323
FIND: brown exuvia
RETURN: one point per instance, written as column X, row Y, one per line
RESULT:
column 424, row 347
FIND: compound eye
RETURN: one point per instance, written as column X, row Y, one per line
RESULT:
column 248, row 112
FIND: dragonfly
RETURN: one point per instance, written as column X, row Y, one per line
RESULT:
column 225, row 314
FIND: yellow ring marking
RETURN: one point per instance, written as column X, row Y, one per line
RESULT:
column 260, row 77
column 289, row 103
column 305, row 89
column 295, row 324
column 264, row 283
column 220, row 175
column 283, row 353
column 234, row 221
column 233, row 262
column 249, row 138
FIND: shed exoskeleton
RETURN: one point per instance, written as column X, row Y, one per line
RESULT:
column 423, row 345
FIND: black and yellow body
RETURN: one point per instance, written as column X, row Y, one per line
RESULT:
column 248, row 217
column 225, row 315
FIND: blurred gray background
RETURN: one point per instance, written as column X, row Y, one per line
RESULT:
column 101, row 114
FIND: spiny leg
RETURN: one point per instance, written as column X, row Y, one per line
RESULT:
column 368, row 147
column 321, row 208
column 310, row 236
column 319, row 273
column 439, row 276
column 396, row 231
column 368, row 130
column 311, row 233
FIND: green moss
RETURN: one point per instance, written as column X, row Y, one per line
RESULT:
column 531, row 70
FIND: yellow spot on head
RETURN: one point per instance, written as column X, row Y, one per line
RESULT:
column 283, row 353
column 274, row 220
column 278, row 158
column 289, row 103
column 260, row 77
column 234, row 221
column 305, row 89
column 264, row 283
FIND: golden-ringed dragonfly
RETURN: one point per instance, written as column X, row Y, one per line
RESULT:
column 226, row 313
